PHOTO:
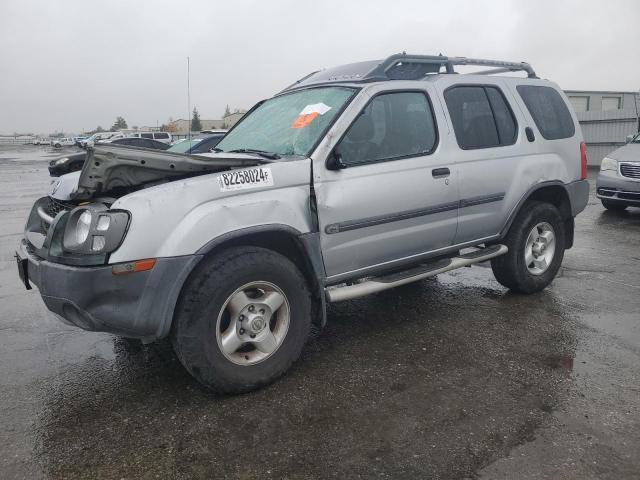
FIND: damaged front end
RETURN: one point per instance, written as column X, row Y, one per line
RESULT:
column 75, row 225
column 116, row 169
column 70, row 234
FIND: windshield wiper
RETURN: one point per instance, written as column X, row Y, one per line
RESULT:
column 262, row 153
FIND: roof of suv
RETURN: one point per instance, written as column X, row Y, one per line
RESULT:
column 403, row 66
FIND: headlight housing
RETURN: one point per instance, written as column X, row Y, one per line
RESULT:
column 60, row 161
column 94, row 229
column 609, row 164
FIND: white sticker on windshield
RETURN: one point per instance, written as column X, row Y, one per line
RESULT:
column 319, row 108
column 243, row 179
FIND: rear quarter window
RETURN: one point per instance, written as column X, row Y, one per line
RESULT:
column 549, row 112
column 481, row 116
column 162, row 135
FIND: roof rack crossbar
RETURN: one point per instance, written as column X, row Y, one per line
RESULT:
column 502, row 66
column 448, row 63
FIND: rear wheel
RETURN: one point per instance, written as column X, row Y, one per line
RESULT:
column 242, row 319
column 536, row 243
column 613, row 206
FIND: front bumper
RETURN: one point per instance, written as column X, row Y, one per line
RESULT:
column 137, row 305
column 611, row 186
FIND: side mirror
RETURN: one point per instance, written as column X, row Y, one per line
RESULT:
column 334, row 162
column 629, row 138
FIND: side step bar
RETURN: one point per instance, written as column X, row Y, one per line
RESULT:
column 378, row 284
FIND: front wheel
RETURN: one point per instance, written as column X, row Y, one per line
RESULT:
column 242, row 320
column 536, row 243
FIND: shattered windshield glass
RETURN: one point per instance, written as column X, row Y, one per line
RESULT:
column 289, row 124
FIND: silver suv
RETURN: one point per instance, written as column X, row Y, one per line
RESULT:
column 351, row 181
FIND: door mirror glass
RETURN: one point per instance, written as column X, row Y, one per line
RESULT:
column 335, row 160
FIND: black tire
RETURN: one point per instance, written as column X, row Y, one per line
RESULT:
column 613, row 206
column 195, row 321
column 511, row 269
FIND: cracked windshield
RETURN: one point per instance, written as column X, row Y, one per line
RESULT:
column 289, row 124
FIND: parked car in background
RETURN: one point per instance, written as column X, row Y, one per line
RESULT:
column 42, row 141
column 618, row 183
column 113, row 137
column 96, row 137
column 75, row 161
column 63, row 142
column 218, row 130
column 141, row 143
column 351, row 181
column 67, row 164
column 164, row 137
column 199, row 144
column 78, row 140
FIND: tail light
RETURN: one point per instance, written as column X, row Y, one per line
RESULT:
column 583, row 160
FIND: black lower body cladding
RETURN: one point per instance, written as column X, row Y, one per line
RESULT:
column 137, row 305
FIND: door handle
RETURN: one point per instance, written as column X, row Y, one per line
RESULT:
column 529, row 132
column 440, row 172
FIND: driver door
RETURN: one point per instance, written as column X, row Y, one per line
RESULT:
column 385, row 197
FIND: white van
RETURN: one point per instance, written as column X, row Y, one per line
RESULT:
column 164, row 137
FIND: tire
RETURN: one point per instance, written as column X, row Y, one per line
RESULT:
column 204, row 317
column 613, row 206
column 511, row 269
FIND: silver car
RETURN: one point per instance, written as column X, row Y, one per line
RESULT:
column 618, row 183
column 349, row 182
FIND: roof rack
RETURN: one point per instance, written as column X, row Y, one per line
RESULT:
column 403, row 66
column 432, row 64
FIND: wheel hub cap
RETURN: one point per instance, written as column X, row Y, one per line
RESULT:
column 253, row 323
column 257, row 324
column 539, row 248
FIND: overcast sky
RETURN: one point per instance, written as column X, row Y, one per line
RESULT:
column 73, row 65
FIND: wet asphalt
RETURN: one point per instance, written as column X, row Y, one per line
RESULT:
column 452, row 377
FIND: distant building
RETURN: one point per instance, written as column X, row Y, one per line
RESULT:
column 606, row 118
column 181, row 126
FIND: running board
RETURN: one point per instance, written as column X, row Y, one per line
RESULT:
column 378, row 284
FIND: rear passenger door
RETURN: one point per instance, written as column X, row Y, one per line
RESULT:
column 392, row 200
column 486, row 133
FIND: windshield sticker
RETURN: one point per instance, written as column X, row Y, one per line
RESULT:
column 309, row 113
column 243, row 179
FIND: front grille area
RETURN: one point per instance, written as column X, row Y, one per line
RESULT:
column 631, row 170
column 54, row 207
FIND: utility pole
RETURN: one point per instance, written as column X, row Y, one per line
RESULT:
column 188, row 99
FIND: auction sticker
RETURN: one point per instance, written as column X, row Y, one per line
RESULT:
column 242, row 179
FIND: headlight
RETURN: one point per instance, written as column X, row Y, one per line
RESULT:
column 95, row 229
column 82, row 227
column 61, row 160
column 609, row 164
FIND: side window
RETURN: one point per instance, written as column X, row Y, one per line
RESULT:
column 481, row 117
column 507, row 130
column 146, row 135
column 548, row 110
column 162, row 135
column 393, row 125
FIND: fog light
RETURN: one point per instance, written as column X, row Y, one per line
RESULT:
column 103, row 223
column 98, row 243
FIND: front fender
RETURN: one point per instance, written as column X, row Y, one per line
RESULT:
column 181, row 217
